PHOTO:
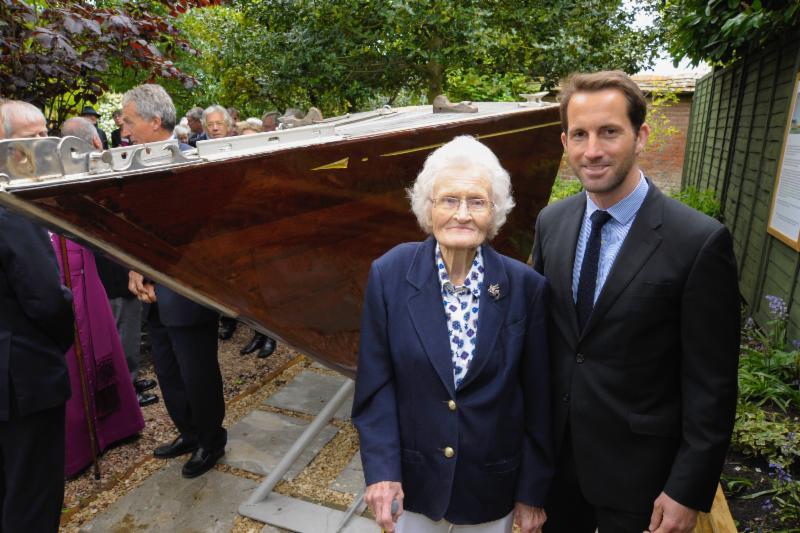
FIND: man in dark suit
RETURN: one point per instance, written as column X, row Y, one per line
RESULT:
column 183, row 334
column 644, row 333
column 36, row 329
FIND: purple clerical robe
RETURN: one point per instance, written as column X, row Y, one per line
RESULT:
column 112, row 401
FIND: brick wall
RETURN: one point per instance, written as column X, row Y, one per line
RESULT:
column 663, row 164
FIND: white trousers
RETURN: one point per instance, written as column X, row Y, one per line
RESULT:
column 418, row 523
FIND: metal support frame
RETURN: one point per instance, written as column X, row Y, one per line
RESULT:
column 253, row 506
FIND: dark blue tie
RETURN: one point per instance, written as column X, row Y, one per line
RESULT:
column 588, row 280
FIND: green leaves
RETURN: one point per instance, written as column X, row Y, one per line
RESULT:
column 720, row 31
column 342, row 55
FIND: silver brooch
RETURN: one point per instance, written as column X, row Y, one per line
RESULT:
column 494, row 291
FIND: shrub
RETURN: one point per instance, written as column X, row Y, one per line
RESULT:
column 704, row 200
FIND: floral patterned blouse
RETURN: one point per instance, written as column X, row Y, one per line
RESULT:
column 461, row 306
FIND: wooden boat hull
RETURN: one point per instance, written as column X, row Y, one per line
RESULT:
column 284, row 240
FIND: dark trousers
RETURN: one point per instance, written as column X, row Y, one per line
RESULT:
column 185, row 360
column 568, row 511
column 32, row 472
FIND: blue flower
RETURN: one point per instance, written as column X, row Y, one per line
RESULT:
column 456, row 325
column 470, row 332
column 767, row 505
column 777, row 307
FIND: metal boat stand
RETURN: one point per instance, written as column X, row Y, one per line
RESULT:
column 297, row 515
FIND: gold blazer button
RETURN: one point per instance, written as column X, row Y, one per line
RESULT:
column 451, row 405
column 449, row 452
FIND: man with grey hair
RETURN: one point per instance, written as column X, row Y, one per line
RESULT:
column 83, row 129
column 217, row 122
column 36, row 329
column 195, row 119
column 183, row 334
column 21, row 119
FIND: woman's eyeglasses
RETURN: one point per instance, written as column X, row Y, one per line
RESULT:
column 451, row 203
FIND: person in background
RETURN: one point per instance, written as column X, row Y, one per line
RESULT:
column 452, row 402
column 181, row 133
column 217, row 123
column 116, row 136
column 183, row 334
column 644, row 329
column 194, row 118
column 91, row 115
column 36, row 329
column 234, row 114
column 246, row 127
column 269, row 121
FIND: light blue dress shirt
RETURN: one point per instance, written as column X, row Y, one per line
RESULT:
column 612, row 234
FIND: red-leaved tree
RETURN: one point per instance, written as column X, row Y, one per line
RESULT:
column 54, row 53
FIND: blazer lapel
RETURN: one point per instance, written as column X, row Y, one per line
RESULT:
column 492, row 311
column 427, row 313
column 564, row 259
column 640, row 243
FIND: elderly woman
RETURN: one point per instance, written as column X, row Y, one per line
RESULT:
column 452, row 398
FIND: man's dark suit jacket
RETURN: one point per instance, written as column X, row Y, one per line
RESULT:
column 649, row 386
column 116, row 137
column 499, row 422
column 102, row 135
column 36, row 320
column 194, row 137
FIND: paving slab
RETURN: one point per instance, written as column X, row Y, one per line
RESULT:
column 308, row 393
column 258, row 441
column 304, row 517
column 166, row 502
column 351, row 479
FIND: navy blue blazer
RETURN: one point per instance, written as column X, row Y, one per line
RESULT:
column 36, row 320
column 498, row 423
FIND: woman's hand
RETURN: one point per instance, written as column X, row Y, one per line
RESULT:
column 379, row 497
column 529, row 519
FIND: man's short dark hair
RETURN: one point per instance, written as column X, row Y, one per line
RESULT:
column 600, row 81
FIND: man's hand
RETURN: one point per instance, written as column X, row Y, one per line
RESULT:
column 379, row 498
column 670, row 516
column 146, row 292
column 529, row 519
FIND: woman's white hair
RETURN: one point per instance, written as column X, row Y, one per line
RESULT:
column 461, row 152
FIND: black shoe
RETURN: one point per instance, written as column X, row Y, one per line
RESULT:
column 256, row 343
column 267, row 349
column 179, row 446
column 202, row 461
column 146, row 398
column 227, row 328
column 142, row 385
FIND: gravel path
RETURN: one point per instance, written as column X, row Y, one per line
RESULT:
column 125, row 465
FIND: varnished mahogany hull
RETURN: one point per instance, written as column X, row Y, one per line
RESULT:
column 285, row 247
